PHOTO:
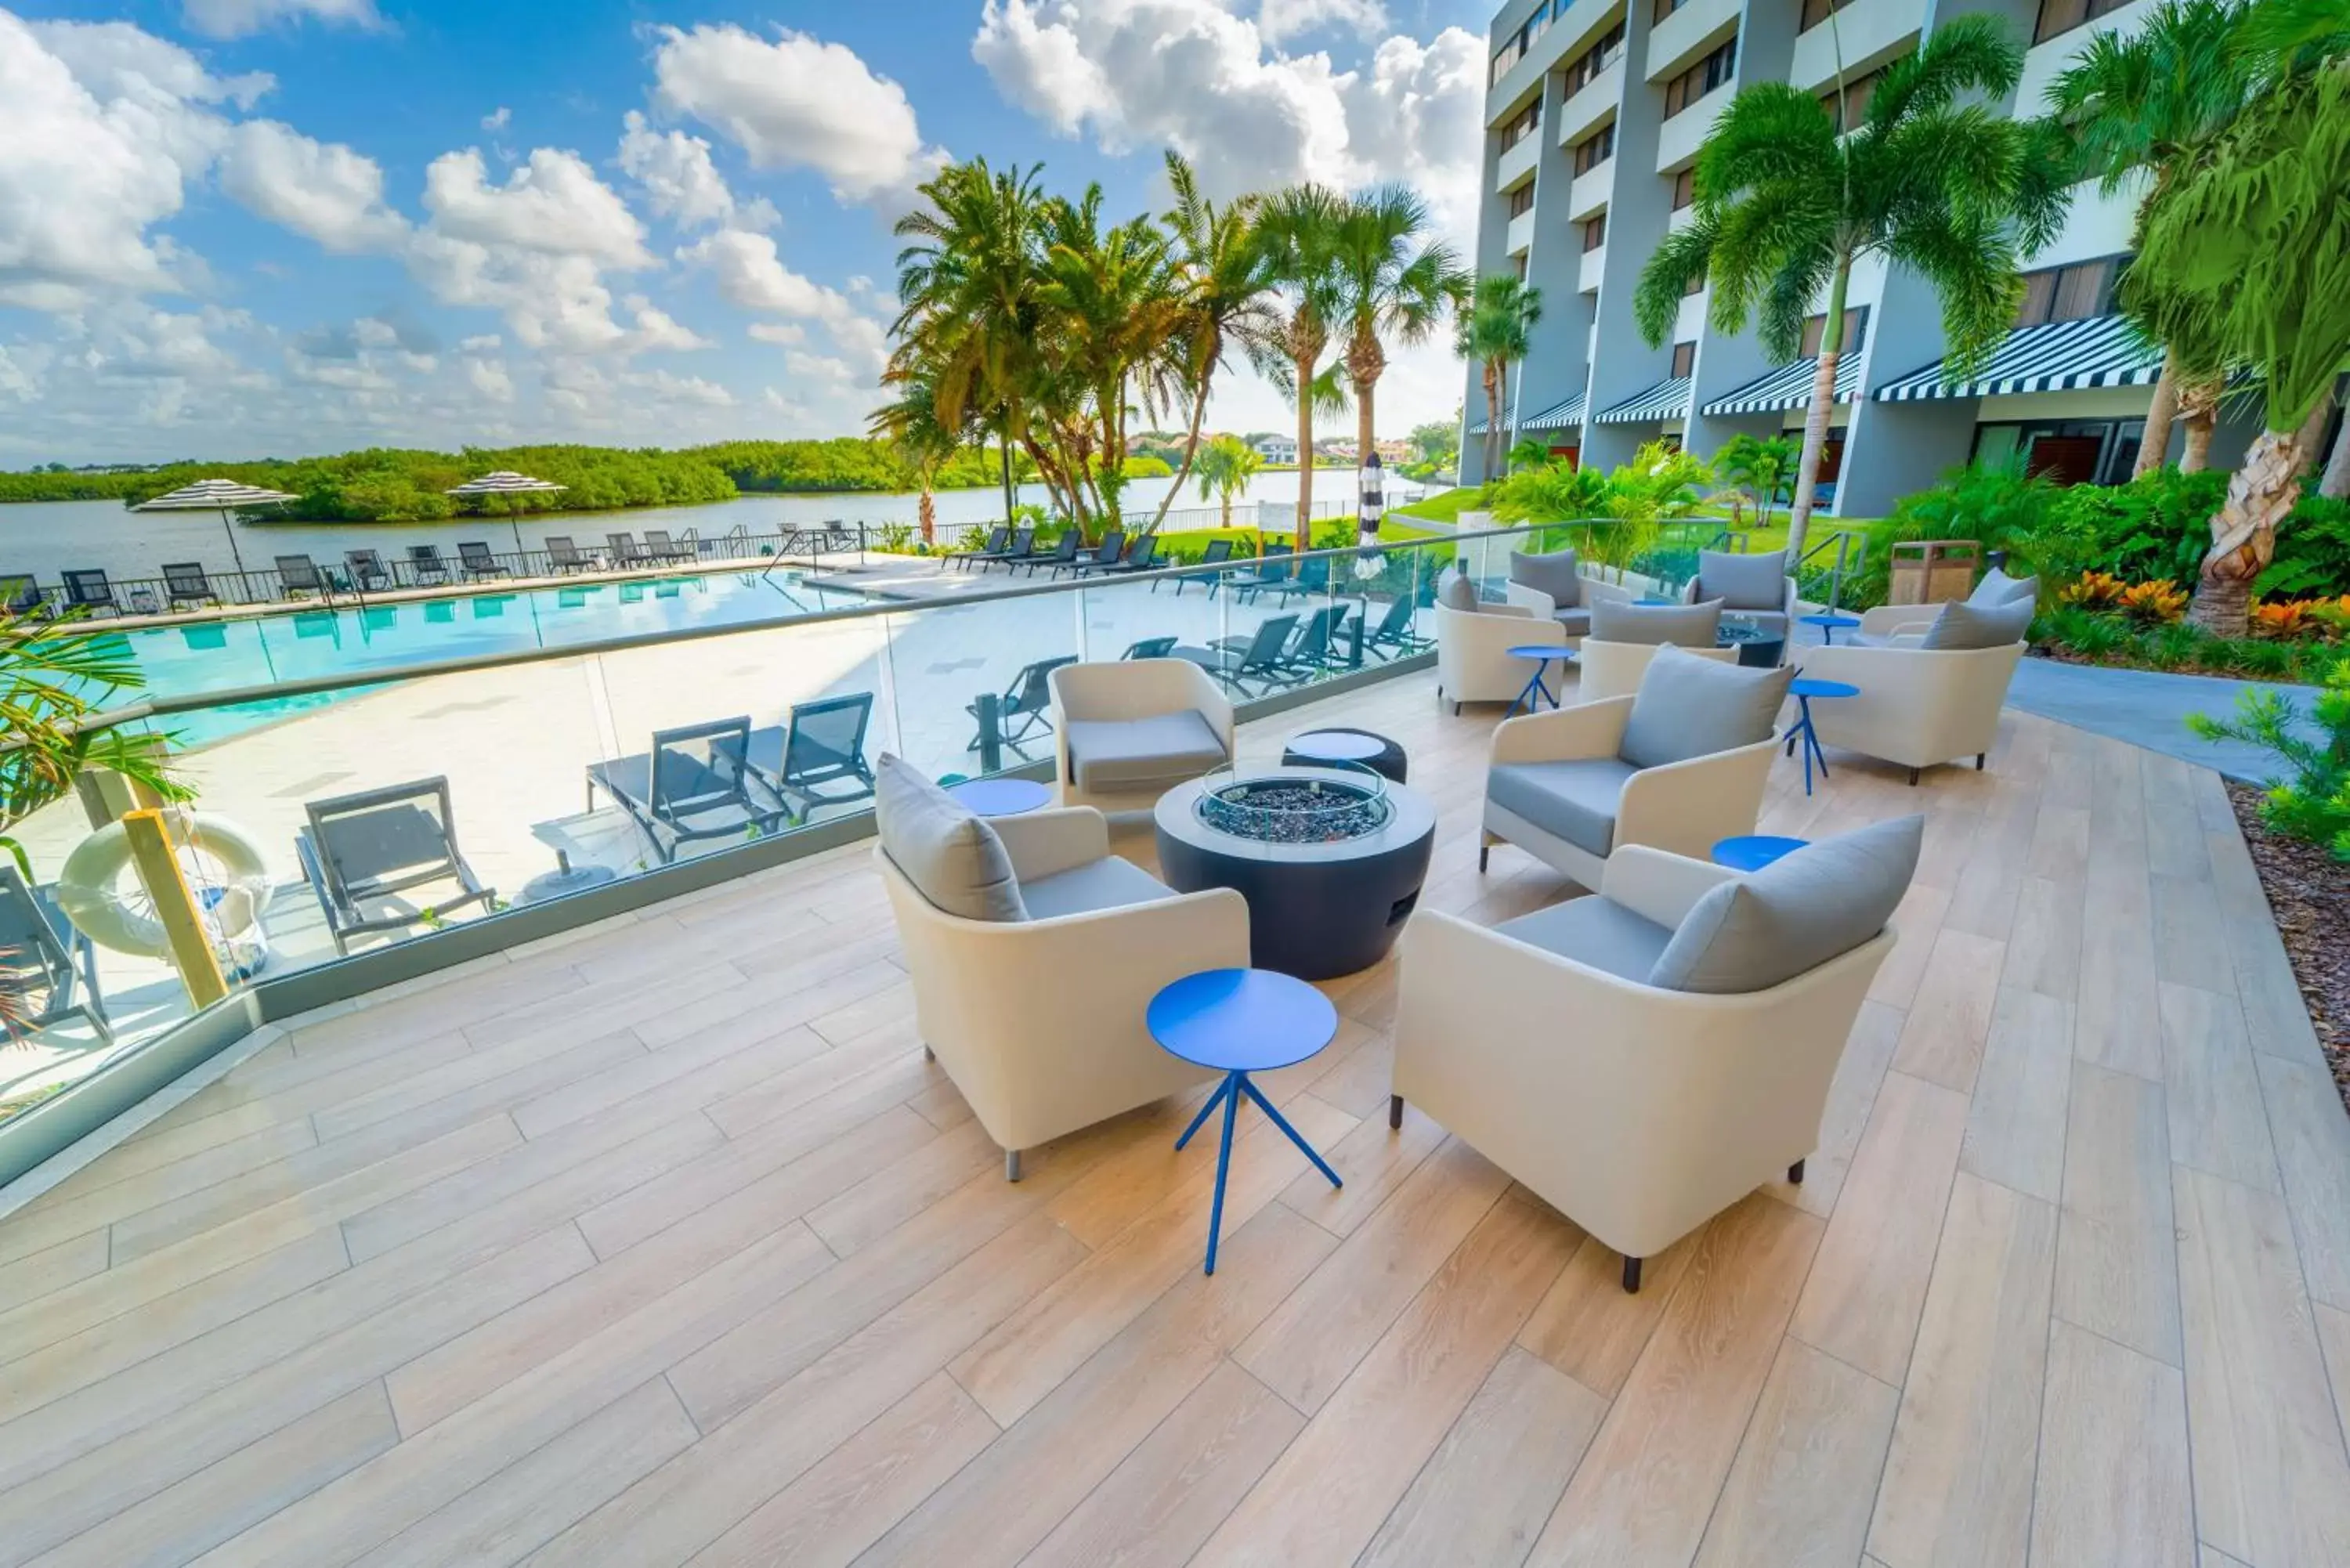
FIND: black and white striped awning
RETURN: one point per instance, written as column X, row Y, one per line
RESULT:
column 1563, row 416
column 1667, row 399
column 1788, row 386
column 2055, row 356
column 215, row 495
column 1480, row 428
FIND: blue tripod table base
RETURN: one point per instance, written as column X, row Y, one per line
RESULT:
column 1228, row 1095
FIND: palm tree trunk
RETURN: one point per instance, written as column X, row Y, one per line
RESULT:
column 1364, row 365
column 1191, row 452
column 2154, row 447
column 1493, row 420
column 2243, row 531
column 930, row 513
column 2199, row 410
column 1816, row 418
column 2335, row 485
column 1304, row 455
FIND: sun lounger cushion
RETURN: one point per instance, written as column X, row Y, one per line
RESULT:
column 1128, row 754
column 1689, row 625
column 1457, row 592
column 1576, row 801
column 1963, row 626
column 952, row 856
column 1595, row 931
column 1763, row 929
column 1110, row 883
column 1691, row 707
column 1552, row 573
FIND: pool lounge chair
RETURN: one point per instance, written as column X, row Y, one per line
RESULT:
column 695, row 784
column 89, row 592
column 474, row 559
column 566, row 556
column 1105, row 555
column 997, row 537
column 363, row 853
column 626, row 551
column 185, row 582
column 1064, row 552
column 1219, row 551
column 1394, row 637
column 823, row 760
column 425, row 564
column 1020, row 710
column 1259, row 657
column 665, row 550
column 1150, row 647
column 1140, row 556
column 1270, row 574
column 38, row 945
column 21, row 594
column 300, row 575
column 1022, row 550
column 367, row 570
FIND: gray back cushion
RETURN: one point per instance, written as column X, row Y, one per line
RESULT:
column 1824, row 901
column 1968, row 626
column 1690, row 625
column 1457, row 592
column 1691, row 707
column 1743, row 582
column 953, row 857
column 1998, row 588
column 1552, row 573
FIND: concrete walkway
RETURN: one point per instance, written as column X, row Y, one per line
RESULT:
column 2149, row 709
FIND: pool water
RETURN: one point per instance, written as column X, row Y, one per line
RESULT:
column 351, row 640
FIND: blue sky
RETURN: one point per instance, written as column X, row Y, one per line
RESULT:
column 236, row 227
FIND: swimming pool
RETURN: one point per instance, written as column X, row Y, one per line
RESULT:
column 353, row 640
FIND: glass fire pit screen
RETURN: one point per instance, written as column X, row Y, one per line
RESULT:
column 1296, row 808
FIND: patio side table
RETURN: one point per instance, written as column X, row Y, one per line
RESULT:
column 1531, row 698
column 1830, row 624
column 1804, row 689
column 1000, row 796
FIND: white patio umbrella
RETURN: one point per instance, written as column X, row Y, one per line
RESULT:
column 507, row 481
column 221, row 496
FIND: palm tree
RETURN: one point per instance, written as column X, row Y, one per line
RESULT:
column 1931, row 179
column 1392, row 285
column 1299, row 237
column 1759, row 467
column 910, row 421
column 2156, row 99
column 1223, row 301
column 2249, row 246
column 1493, row 333
column 1226, row 465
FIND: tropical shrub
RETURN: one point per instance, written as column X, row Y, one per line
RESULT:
column 2312, row 551
column 2158, row 603
column 2094, row 590
column 51, row 681
column 1554, row 492
column 896, row 538
column 2311, row 799
column 2156, row 525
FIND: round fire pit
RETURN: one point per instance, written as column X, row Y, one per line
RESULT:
column 1330, row 859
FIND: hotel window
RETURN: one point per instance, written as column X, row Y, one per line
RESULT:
column 1713, row 71
column 2063, row 15
column 2069, row 293
column 1522, row 199
column 1696, row 286
column 1586, row 66
column 1514, row 49
column 1684, row 358
column 1595, row 149
column 1520, row 128
column 1684, row 188
column 1594, row 233
column 1666, row 7
column 1817, row 11
column 1857, row 94
column 1856, row 332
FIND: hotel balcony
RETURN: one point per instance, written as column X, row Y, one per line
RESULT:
column 1591, row 103
column 1517, row 163
column 1521, row 237
column 632, row 1224
column 1679, row 138
column 1590, row 270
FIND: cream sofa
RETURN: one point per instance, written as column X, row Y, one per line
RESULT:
column 1472, row 658
column 1126, row 730
column 1039, row 1021
column 1638, row 1112
column 1614, row 668
column 1917, row 707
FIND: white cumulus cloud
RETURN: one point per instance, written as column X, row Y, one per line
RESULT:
column 324, row 191
column 552, row 205
column 679, row 180
column 1281, row 20
column 236, row 18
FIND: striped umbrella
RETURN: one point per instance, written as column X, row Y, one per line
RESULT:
column 221, row 496
column 507, row 481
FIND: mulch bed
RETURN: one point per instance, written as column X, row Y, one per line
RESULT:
column 2309, row 893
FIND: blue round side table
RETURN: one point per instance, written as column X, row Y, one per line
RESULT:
column 1542, row 653
column 1829, row 625
column 1804, row 689
column 1000, row 797
column 1753, row 851
column 1241, row 1021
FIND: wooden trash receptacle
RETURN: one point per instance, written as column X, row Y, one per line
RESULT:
column 1933, row 571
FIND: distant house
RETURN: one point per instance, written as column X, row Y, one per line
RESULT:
column 1277, row 450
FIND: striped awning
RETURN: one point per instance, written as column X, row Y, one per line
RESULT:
column 1479, row 427
column 1667, row 399
column 2055, row 356
column 215, row 495
column 1788, row 386
column 1557, row 417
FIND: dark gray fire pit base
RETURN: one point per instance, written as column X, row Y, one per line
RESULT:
column 1316, row 910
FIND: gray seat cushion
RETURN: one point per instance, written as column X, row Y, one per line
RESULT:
column 1824, row 901
column 1456, row 592
column 1132, row 754
column 1552, row 573
column 1689, row 625
column 1576, row 801
column 1595, row 931
column 1576, row 622
column 953, row 857
column 1108, row 883
column 1691, row 707
column 1743, row 582
column 1962, row 625
column 1998, row 588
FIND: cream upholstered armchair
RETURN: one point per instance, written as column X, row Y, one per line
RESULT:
column 1644, row 1058
column 1926, row 698
column 1126, row 732
column 1034, row 952
column 1473, row 642
column 1555, row 586
column 1625, row 637
column 1757, row 588
column 1894, row 625
column 1680, row 764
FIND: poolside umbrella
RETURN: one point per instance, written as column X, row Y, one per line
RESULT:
column 507, row 481
column 221, row 496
